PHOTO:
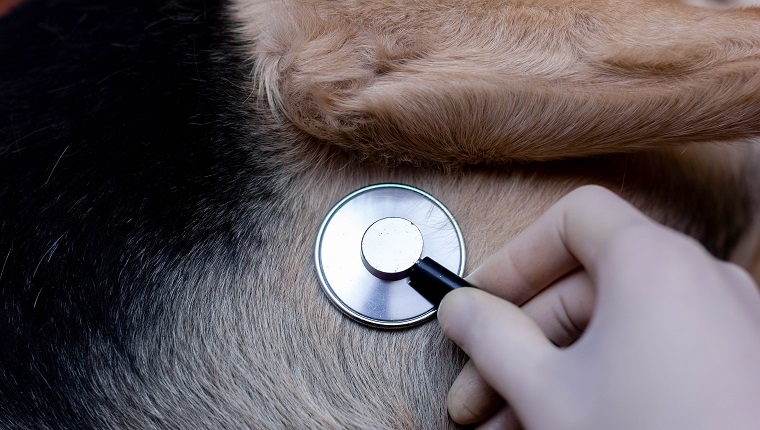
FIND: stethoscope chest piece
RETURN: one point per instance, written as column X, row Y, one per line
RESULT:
column 369, row 242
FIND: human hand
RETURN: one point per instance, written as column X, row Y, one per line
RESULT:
column 670, row 335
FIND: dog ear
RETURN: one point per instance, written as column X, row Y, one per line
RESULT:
column 488, row 81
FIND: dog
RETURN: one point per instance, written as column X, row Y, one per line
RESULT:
column 165, row 167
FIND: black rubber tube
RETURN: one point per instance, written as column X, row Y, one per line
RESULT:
column 434, row 281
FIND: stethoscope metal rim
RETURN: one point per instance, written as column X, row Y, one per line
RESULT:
column 337, row 301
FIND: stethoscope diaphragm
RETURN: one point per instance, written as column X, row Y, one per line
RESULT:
column 369, row 241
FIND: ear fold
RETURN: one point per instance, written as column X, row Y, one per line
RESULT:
column 483, row 81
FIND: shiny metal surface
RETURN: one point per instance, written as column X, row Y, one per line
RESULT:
column 390, row 247
column 338, row 253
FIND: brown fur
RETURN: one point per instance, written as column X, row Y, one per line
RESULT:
column 450, row 84
column 485, row 81
column 447, row 96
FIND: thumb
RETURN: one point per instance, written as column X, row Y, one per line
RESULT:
column 506, row 345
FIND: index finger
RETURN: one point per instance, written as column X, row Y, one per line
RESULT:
column 571, row 233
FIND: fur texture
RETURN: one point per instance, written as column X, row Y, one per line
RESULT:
column 164, row 169
column 484, row 81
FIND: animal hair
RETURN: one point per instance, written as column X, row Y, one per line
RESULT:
column 164, row 167
column 487, row 81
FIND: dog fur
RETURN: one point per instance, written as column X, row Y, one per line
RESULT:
column 165, row 168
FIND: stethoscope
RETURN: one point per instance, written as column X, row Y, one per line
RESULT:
column 387, row 254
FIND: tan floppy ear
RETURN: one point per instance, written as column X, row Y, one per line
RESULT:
column 486, row 81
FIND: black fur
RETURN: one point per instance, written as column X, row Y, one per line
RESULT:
column 124, row 149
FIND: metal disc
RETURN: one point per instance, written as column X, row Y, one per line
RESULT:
column 380, row 299
column 391, row 247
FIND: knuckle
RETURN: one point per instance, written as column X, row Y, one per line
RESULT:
column 649, row 242
column 658, row 258
column 588, row 195
column 591, row 191
column 737, row 274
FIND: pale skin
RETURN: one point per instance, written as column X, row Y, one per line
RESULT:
column 596, row 317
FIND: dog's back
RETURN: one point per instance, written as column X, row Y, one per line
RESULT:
column 157, row 218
